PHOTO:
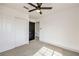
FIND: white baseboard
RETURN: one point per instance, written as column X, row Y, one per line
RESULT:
column 61, row 46
column 14, row 47
column 6, row 49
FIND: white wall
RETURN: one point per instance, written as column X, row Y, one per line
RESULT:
column 32, row 20
column 61, row 29
column 14, row 28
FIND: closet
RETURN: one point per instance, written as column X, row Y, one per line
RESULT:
column 14, row 29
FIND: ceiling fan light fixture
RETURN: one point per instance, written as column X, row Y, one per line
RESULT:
column 37, row 10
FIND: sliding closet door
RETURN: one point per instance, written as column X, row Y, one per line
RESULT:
column 8, row 38
column 21, row 30
column 13, row 32
column 1, row 33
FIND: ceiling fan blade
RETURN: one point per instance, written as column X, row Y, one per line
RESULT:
column 39, row 4
column 26, row 7
column 32, row 5
column 46, row 8
column 32, row 10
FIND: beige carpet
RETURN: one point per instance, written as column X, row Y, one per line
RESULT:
column 44, row 51
column 33, row 47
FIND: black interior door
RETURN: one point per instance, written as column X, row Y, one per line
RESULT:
column 31, row 31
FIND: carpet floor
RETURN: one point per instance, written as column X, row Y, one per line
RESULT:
column 33, row 47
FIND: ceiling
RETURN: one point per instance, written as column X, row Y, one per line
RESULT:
column 56, row 7
column 35, row 15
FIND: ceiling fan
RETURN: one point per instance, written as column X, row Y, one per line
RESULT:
column 37, row 7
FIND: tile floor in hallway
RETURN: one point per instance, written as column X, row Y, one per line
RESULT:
column 34, row 47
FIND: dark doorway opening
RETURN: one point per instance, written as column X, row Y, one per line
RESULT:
column 31, row 31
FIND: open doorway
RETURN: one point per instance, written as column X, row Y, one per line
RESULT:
column 31, row 31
